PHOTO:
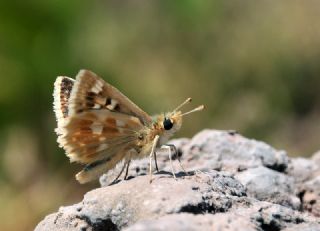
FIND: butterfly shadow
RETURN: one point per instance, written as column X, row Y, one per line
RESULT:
column 178, row 175
column 161, row 174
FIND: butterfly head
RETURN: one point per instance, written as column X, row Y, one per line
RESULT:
column 171, row 122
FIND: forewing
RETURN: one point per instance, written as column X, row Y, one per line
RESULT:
column 90, row 92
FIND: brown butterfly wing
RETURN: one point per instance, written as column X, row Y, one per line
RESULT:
column 92, row 92
column 100, row 139
column 99, row 134
column 97, row 124
column 62, row 90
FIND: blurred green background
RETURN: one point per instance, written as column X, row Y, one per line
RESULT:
column 254, row 64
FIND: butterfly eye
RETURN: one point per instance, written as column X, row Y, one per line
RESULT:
column 167, row 124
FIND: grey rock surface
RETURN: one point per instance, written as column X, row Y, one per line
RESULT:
column 189, row 222
column 310, row 195
column 231, row 152
column 302, row 169
column 280, row 187
column 232, row 183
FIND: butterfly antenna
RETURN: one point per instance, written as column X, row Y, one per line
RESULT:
column 181, row 105
column 200, row 108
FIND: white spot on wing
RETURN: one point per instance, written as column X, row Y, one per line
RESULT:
column 96, row 106
column 113, row 104
column 96, row 128
column 97, row 88
column 102, row 138
column 120, row 123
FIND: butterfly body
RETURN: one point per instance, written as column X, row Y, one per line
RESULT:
column 99, row 126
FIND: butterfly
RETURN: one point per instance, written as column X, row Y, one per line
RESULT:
column 99, row 127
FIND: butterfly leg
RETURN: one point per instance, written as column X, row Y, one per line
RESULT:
column 178, row 157
column 127, row 169
column 152, row 154
column 169, row 148
column 123, row 167
column 155, row 161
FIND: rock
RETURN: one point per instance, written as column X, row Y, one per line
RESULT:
column 306, row 173
column 127, row 202
column 276, row 217
column 310, row 195
column 302, row 169
column 316, row 158
column 232, row 183
column 280, row 187
column 262, row 216
column 231, row 152
column 186, row 222
column 303, row 227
